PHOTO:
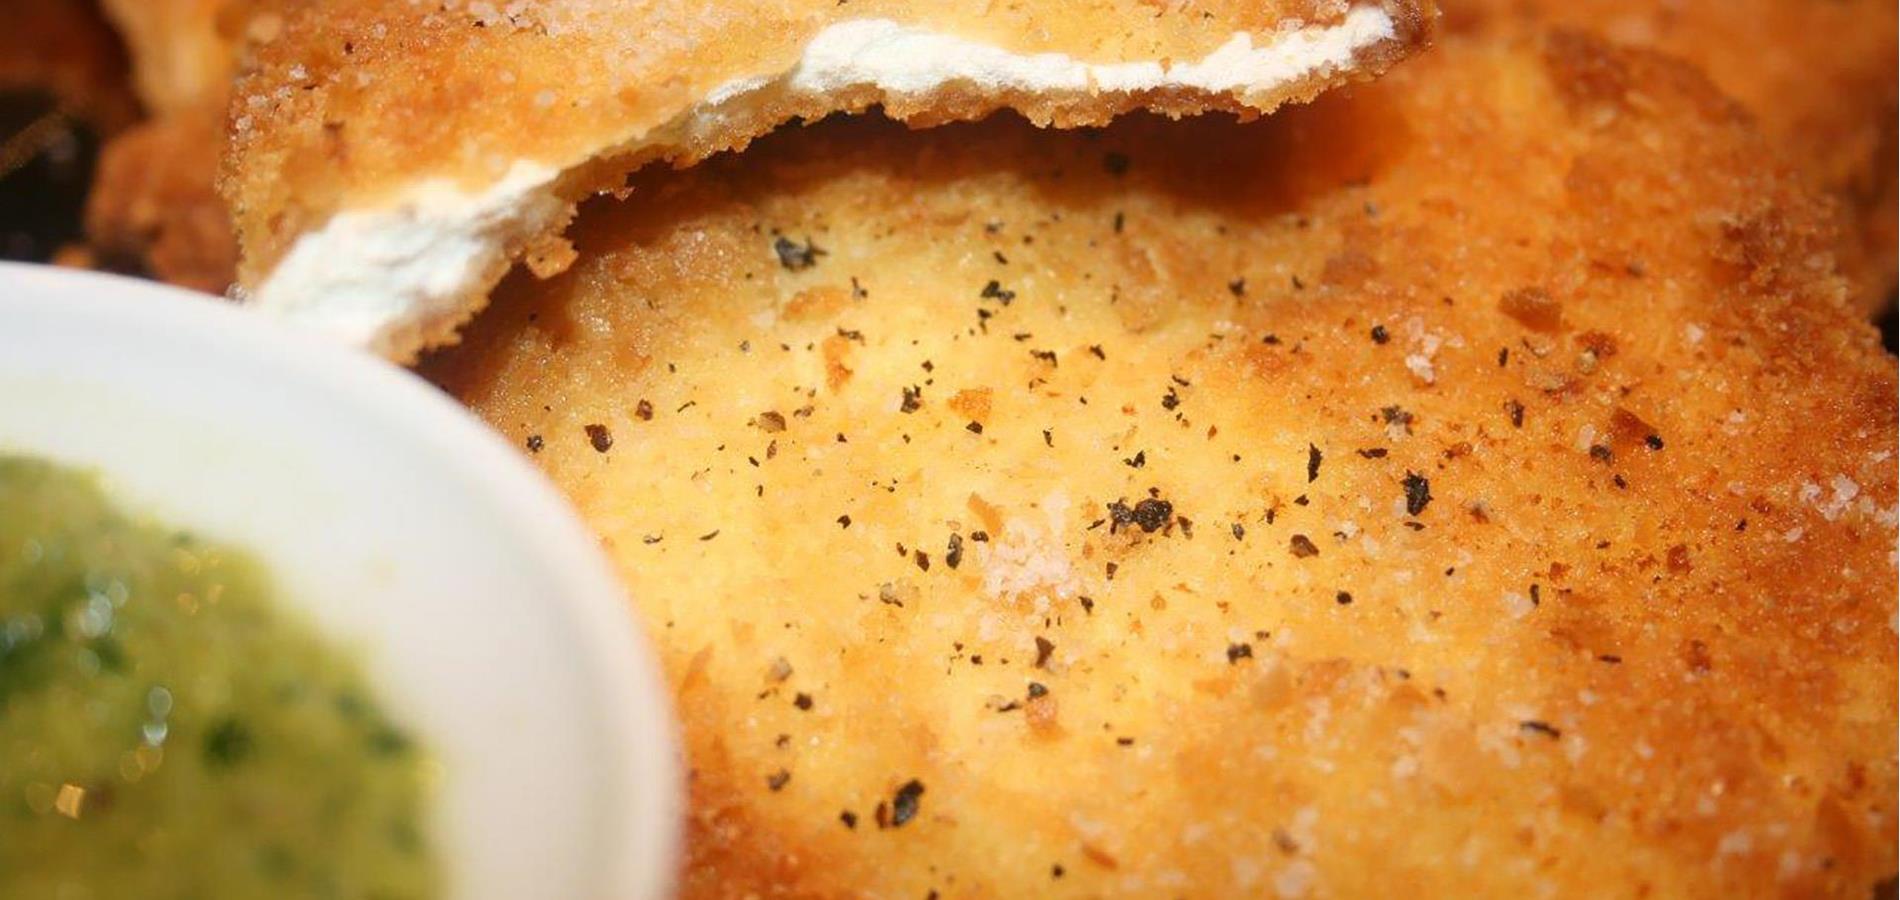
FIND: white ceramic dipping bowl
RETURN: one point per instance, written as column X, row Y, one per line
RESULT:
column 405, row 530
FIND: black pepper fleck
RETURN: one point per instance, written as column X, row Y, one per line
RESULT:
column 796, row 257
column 1544, row 728
column 905, row 802
column 1313, row 459
column 1418, row 493
column 1151, row 514
column 601, row 439
column 1303, row 546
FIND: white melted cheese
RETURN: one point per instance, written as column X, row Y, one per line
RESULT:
column 370, row 274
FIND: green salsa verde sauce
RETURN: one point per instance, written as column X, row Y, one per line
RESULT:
column 167, row 731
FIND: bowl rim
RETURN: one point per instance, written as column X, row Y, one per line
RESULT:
column 634, row 709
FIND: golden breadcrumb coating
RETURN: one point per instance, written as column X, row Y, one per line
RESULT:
column 355, row 104
column 1820, row 77
column 1477, row 485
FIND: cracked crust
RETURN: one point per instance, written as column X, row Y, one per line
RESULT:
column 1562, row 467
column 339, row 103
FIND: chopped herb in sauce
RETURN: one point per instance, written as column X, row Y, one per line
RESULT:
column 189, row 741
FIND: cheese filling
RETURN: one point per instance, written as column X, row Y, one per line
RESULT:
column 370, row 276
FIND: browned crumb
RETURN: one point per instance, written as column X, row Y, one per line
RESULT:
column 1820, row 77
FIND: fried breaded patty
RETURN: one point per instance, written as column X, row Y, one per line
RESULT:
column 183, row 51
column 155, row 204
column 1476, row 485
column 1819, row 77
column 391, row 159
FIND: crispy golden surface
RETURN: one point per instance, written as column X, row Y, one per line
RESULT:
column 1819, row 77
column 1477, row 485
column 354, row 103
